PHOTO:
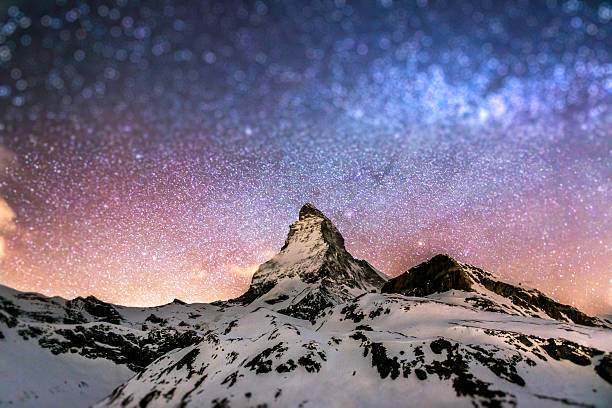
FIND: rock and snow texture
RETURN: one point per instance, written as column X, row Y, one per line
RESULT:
column 309, row 332
column 71, row 353
column 481, row 289
column 313, row 270
column 384, row 351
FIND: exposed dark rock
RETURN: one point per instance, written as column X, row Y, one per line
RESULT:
column 231, row 379
column 568, row 350
column 126, row 401
column 604, row 368
column 386, row 366
column 230, row 326
column 220, row 403
column 439, row 274
column 148, row 398
column 286, row 367
column 276, row 300
column 30, row 332
column 437, row 346
column 8, row 312
column 187, row 360
column 486, row 304
column 122, row 348
column 156, row 320
column 536, row 300
column 359, row 336
column 350, row 312
column 464, row 382
column 103, row 311
column 262, row 363
column 379, row 311
column 421, row 375
column 309, row 363
column 251, row 294
column 231, row 357
column 310, row 306
column 503, row 368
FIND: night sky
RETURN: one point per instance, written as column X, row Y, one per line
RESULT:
column 152, row 151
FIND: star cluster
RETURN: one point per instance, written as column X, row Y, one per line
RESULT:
column 159, row 150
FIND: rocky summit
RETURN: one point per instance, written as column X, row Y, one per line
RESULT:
column 313, row 270
column 316, row 328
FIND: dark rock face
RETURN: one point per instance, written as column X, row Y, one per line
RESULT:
column 439, row 274
column 310, row 306
column 568, row 350
column 310, row 214
column 251, row 294
column 100, row 341
column 604, row 368
column 451, row 362
column 8, row 313
column 262, row 363
column 101, row 310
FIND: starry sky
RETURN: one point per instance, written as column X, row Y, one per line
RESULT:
column 152, row 150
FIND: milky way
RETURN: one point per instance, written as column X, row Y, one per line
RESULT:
column 153, row 152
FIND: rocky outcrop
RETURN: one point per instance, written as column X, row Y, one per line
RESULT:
column 439, row 274
column 135, row 350
column 98, row 310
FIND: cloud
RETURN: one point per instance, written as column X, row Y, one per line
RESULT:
column 7, row 215
column 7, row 160
column 7, row 218
column 244, row 270
column 7, row 225
column 247, row 270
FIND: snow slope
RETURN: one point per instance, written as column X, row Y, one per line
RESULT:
column 58, row 353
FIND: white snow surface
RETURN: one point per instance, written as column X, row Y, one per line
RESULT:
column 264, row 357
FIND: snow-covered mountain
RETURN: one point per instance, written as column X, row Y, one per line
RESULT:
column 316, row 328
column 467, row 285
column 312, row 271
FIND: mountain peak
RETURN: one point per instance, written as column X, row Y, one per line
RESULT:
column 438, row 274
column 309, row 210
column 313, row 229
column 442, row 273
column 443, row 259
column 315, row 263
